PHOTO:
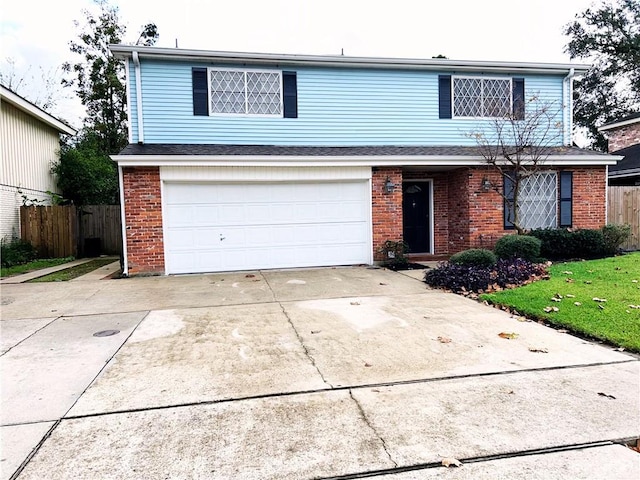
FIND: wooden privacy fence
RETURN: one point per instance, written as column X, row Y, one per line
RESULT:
column 62, row 231
column 624, row 207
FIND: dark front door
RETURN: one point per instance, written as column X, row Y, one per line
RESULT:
column 415, row 216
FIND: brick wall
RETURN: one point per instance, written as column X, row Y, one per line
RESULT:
column 458, row 210
column 386, row 208
column 589, row 197
column 623, row 137
column 143, row 216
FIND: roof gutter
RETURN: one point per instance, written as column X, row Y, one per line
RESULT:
column 356, row 160
column 136, row 64
column 126, row 51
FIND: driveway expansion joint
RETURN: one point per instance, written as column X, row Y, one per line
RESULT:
column 366, row 420
column 470, row 460
column 344, row 388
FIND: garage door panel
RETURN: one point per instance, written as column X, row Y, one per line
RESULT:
column 218, row 227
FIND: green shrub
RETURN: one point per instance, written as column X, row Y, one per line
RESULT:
column 475, row 257
column 614, row 237
column 588, row 243
column 518, row 246
column 557, row 243
column 17, row 252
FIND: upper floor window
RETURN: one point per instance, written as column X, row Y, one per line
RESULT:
column 245, row 92
column 482, row 97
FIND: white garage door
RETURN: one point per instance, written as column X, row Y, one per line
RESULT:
column 228, row 226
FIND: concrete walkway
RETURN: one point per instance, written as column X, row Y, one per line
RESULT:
column 318, row 373
column 97, row 274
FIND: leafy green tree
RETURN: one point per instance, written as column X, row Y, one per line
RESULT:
column 608, row 35
column 98, row 78
column 86, row 175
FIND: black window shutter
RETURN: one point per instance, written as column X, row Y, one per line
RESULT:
column 444, row 95
column 200, row 91
column 290, row 94
column 518, row 98
column 566, row 199
column 509, row 207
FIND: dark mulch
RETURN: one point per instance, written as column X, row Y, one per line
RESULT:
column 406, row 266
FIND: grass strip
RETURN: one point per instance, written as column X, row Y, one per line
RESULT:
column 32, row 266
column 74, row 272
column 599, row 299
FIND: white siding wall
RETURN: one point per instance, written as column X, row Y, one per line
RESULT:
column 29, row 148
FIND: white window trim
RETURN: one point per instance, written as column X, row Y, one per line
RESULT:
column 476, row 77
column 246, row 97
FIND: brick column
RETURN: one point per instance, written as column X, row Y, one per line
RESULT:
column 143, row 217
column 386, row 207
column 589, row 197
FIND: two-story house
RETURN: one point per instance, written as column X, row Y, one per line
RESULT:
column 244, row 161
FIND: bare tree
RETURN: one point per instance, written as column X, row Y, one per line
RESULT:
column 42, row 87
column 517, row 146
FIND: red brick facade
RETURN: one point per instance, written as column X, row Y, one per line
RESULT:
column 465, row 215
column 623, row 137
column 143, row 216
column 386, row 207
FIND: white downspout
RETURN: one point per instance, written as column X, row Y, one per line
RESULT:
column 125, row 263
column 567, row 111
column 136, row 63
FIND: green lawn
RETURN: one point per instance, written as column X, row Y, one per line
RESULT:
column 31, row 266
column 73, row 272
column 615, row 281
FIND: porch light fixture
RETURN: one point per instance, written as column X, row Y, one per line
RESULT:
column 389, row 186
column 485, row 186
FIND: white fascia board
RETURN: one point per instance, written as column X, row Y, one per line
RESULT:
column 126, row 51
column 611, row 126
column 17, row 101
column 337, row 161
column 632, row 172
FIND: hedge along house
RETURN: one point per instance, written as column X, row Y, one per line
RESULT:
column 253, row 161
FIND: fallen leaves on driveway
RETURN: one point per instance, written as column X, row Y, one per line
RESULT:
column 610, row 397
column 508, row 335
column 355, row 303
column 451, row 462
column 538, row 350
column 444, row 339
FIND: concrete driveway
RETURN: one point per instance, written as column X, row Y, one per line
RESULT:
column 319, row 373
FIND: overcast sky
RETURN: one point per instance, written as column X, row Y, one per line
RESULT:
column 35, row 33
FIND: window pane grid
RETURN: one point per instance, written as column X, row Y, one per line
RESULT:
column 537, row 201
column 250, row 92
column 481, row 97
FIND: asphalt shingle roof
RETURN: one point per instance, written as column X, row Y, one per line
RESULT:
column 631, row 160
column 275, row 150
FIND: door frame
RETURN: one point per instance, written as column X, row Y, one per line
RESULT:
column 431, row 222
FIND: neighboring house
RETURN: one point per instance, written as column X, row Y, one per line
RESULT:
column 252, row 161
column 624, row 140
column 30, row 139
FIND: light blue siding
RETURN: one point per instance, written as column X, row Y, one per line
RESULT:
column 335, row 107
